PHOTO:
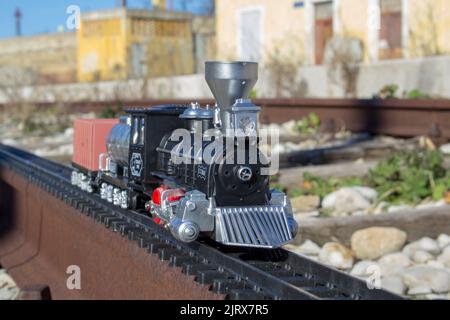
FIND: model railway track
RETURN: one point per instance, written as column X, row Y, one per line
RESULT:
column 237, row 273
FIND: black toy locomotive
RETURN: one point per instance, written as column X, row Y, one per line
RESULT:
column 192, row 168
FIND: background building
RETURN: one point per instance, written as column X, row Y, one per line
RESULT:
column 38, row 59
column 125, row 43
column 386, row 29
column 114, row 44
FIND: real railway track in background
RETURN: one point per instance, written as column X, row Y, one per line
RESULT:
column 234, row 273
column 396, row 117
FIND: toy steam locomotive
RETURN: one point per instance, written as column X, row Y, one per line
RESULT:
column 140, row 163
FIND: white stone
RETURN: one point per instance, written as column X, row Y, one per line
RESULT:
column 437, row 280
column 368, row 193
column 425, row 244
column 433, row 296
column 329, row 201
column 336, row 255
column 446, row 250
column 443, row 240
column 421, row 256
column 288, row 128
column 308, row 248
column 393, row 264
column 435, row 264
column 8, row 288
column 444, row 258
column 445, row 149
column 431, row 205
column 398, row 208
column 360, row 213
column 382, row 207
column 346, row 200
column 394, row 284
column 419, row 290
column 364, row 268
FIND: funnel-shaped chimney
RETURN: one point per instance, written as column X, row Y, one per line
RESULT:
column 229, row 81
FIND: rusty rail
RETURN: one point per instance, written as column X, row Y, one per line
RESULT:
column 47, row 225
column 397, row 117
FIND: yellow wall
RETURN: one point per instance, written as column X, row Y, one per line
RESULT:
column 429, row 22
column 354, row 16
column 102, row 50
column 168, row 44
column 105, row 47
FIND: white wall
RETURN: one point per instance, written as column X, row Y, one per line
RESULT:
column 429, row 75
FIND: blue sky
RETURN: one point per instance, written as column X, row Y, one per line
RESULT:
column 43, row 16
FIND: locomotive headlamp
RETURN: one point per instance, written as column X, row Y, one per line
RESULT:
column 245, row 174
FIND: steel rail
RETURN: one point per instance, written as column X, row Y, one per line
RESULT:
column 238, row 273
column 396, row 117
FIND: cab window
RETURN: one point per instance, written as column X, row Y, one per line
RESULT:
column 142, row 132
column 135, row 132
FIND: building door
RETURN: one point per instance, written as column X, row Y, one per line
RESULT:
column 391, row 29
column 249, row 46
column 323, row 27
column 138, row 60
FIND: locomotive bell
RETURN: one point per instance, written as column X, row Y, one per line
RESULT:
column 230, row 82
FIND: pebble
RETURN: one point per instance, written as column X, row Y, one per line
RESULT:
column 381, row 208
column 374, row 242
column 425, row 279
column 8, row 288
column 305, row 203
column 445, row 149
column 424, row 244
column 364, row 268
column 435, row 264
column 368, row 193
column 433, row 296
column 308, row 248
column 444, row 258
column 394, row 284
column 421, row 256
column 421, row 269
column 431, row 205
column 336, row 255
column 399, row 208
column 394, row 263
column 419, row 290
column 346, row 200
column 443, row 240
column 359, row 213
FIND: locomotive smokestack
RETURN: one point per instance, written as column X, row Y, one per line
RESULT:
column 230, row 81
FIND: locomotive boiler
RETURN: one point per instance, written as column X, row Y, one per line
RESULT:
column 197, row 171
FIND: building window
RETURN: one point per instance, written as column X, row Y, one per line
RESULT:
column 250, row 34
column 323, row 28
column 390, row 45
